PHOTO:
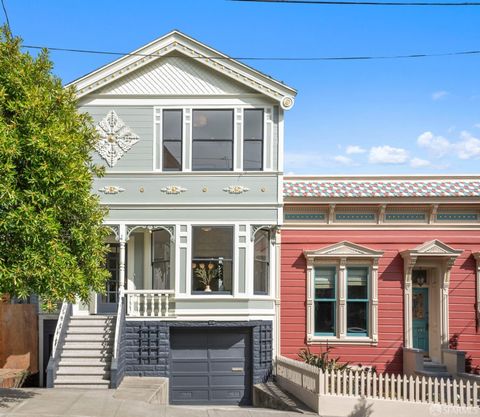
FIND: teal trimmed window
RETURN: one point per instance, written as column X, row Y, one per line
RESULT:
column 325, row 300
column 357, row 301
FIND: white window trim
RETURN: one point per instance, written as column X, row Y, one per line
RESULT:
column 341, row 256
column 187, row 124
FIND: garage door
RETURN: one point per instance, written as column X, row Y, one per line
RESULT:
column 210, row 366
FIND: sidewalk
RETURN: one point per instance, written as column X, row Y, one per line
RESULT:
column 101, row 403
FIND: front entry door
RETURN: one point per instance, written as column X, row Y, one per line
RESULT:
column 108, row 302
column 420, row 318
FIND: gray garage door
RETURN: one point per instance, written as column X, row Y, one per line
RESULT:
column 210, row 366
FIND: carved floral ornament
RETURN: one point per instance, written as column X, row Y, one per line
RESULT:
column 173, row 189
column 236, row 189
column 111, row 189
column 115, row 138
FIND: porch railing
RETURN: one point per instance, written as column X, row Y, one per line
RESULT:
column 150, row 303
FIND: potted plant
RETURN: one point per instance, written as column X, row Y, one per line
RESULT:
column 205, row 274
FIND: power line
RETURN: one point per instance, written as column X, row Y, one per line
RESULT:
column 364, row 3
column 6, row 16
column 257, row 58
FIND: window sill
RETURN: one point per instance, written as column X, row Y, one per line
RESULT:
column 349, row 340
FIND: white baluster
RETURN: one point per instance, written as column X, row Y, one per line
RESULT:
column 167, row 301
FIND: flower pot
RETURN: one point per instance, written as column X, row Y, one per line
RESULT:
column 207, row 289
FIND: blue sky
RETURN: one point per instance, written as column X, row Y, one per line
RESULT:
column 351, row 117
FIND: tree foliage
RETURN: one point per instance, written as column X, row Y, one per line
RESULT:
column 51, row 233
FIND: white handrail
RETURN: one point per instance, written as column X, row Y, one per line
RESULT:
column 118, row 325
column 59, row 327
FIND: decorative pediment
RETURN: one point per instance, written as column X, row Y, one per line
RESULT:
column 177, row 64
column 432, row 248
column 177, row 76
column 343, row 250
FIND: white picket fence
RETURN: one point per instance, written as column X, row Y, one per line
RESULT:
column 310, row 383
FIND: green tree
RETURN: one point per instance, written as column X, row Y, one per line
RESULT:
column 51, row 232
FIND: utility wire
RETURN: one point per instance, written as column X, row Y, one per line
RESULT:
column 365, row 3
column 257, row 58
column 6, row 16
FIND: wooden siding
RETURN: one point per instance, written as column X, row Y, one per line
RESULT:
column 175, row 76
column 387, row 355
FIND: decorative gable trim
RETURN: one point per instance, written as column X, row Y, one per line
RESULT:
column 432, row 248
column 343, row 249
column 180, row 44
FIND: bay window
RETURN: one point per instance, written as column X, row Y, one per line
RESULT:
column 212, row 140
column 261, row 263
column 160, row 260
column 172, row 140
column 212, row 259
column 253, row 139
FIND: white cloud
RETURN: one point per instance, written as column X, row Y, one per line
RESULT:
column 344, row 160
column 438, row 146
column 354, row 149
column 387, row 155
column 419, row 163
column 468, row 147
column 477, row 125
column 438, row 95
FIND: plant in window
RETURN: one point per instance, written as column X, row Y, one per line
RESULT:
column 205, row 274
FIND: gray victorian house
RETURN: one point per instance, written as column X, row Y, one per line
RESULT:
column 192, row 143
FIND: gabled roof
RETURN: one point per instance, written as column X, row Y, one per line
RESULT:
column 381, row 187
column 178, row 44
column 343, row 249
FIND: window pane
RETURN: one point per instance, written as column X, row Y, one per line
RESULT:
column 325, row 283
column 357, row 318
column 172, row 156
column 213, row 124
column 252, row 155
column 214, row 156
column 161, row 260
column 325, row 317
column 212, row 256
column 253, row 124
column 357, row 282
column 262, row 262
column 172, row 124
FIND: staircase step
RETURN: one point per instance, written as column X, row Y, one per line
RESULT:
column 100, row 345
column 90, row 330
column 85, row 354
column 102, row 362
column 91, row 323
column 80, row 379
column 84, row 370
column 93, row 337
column 75, row 385
column 430, row 374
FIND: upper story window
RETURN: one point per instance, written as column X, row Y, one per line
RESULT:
column 212, row 140
column 172, row 140
column 253, row 139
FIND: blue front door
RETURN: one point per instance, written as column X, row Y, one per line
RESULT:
column 420, row 318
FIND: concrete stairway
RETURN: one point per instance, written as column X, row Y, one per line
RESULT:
column 434, row 369
column 86, row 353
